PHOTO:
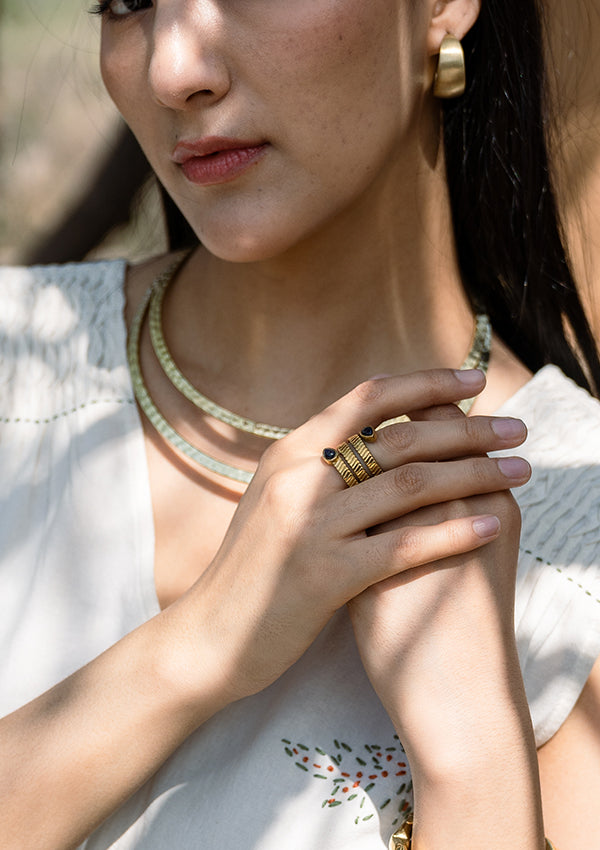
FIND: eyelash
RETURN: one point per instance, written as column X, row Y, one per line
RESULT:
column 103, row 8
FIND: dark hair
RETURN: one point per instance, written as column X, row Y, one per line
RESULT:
column 512, row 258
column 506, row 225
column 179, row 233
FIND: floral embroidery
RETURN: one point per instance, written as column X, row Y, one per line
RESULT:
column 354, row 774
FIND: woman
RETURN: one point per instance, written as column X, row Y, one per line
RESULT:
column 240, row 701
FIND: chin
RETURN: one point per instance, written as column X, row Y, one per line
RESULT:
column 247, row 242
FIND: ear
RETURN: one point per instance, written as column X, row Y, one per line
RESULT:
column 453, row 17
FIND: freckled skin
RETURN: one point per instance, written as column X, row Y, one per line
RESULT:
column 334, row 86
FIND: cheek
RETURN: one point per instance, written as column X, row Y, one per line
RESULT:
column 345, row 71
column 122, row 65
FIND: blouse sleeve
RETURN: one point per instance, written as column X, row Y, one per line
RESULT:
column 557, row 610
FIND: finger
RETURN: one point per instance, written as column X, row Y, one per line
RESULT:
column 443, row 440
column 376, row 400
column 415, row 485
column 402, row 549
column 433, row 514
column 438, row 412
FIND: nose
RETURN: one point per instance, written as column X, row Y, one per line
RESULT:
column 187, row 60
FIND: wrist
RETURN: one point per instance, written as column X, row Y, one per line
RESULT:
column 189, row 669
column 477, row 787
column 402, row 838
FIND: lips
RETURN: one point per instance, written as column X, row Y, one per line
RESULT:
column 214, row 159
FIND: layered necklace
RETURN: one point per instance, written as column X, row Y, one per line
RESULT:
column 152, row 303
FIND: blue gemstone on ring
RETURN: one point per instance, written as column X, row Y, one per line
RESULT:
column 329, row 455
column 368, row 433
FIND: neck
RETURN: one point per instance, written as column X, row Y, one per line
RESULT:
column 279, row 339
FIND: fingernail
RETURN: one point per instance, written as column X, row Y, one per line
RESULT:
column 381, row 375
column 514, row 467
column 470, row 377
column 508, row 429
column 486, row 526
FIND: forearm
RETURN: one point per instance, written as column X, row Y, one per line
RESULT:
column 477, row 788
column 468, row 737
column 71, row 757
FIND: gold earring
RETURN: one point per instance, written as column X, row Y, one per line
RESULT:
column 450, row 77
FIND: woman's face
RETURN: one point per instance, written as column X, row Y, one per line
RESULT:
column 269, row 119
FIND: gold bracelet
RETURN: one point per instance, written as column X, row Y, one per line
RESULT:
column 402, row 838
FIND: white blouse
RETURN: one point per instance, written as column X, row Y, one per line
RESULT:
column 312, row 761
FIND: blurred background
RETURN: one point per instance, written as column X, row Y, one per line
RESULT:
column 59, row 134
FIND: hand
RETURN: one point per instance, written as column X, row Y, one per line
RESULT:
column 297, row 548
column 438, row 641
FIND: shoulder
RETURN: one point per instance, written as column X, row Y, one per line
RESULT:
column 557, row 612
column 59, row 295
column 563, row 448
column 62, row 334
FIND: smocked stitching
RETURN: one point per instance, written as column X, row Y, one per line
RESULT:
column 64, row 413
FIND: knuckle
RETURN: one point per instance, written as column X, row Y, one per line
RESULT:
column 272, row 458
column 409, row 545
column 289, row 517
column 279, row 490
column 481, row 472
column 410, row 479
column 399, row 438
column 369, row 391
column 435, row 383
column 472, row 429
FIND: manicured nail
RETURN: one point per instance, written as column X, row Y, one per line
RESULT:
column 486, row 526
column 470, row 377
column 514, row 467
column 508, row 429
